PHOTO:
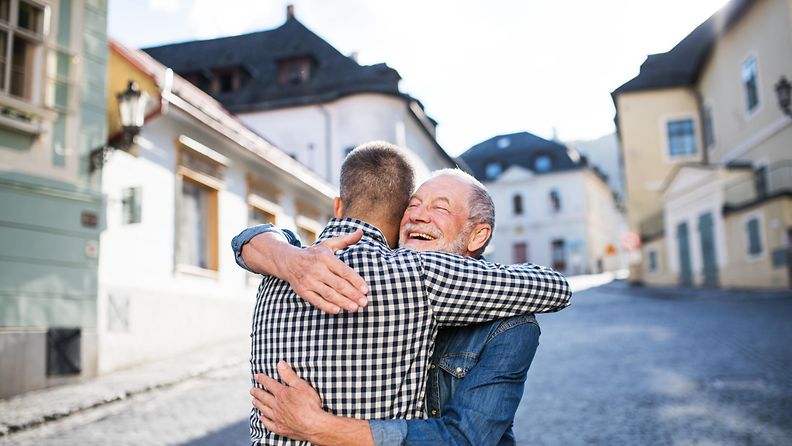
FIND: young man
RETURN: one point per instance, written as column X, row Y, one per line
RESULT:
column 372, row 364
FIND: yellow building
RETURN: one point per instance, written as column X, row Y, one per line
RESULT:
column 707, row 153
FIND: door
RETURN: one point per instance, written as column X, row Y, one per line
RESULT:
column 707, row 238
column 685, row 271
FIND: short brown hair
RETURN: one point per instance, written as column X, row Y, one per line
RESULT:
column 377, row 179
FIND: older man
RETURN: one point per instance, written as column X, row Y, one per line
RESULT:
column 373, row 364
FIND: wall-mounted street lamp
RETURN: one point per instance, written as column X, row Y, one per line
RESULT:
column 132, row 108
column 783, row 90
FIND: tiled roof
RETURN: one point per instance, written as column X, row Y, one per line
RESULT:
column 257, row 57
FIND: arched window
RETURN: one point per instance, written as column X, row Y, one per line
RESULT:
column 518, row 204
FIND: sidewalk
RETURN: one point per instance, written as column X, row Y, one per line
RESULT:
column 34, row 408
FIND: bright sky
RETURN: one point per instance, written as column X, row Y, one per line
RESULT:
column 481, row 68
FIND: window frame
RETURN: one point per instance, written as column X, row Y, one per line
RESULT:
column 517, row 204
column 188, row 148
column 749, row 113
column 519, row 245
column 758, row 217
column 558, row 266
column 667, row 134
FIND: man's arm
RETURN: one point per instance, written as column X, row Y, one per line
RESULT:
column 314, row 273
column 464, row 291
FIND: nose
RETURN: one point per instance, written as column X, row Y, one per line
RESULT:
column 419, row 214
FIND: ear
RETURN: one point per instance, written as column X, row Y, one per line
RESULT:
column 479, row 236
column 338, row 207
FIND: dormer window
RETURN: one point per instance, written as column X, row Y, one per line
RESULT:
column 294, row 71
column 225, row 80
column 543, row 163
column 492, row 170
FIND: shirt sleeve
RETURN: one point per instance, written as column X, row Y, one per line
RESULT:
column 245, row 236
column 388, row 432
column 463, row 290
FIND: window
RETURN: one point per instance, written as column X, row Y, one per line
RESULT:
column 225, row 80
column 21, row 41
column 492, row 170
column 131, row 205
column 520, row 252
column 753, row 236
column 760, row 181
column 681, row 138
column 558, row 255
column 197, row 225
column 200, row 174
column 518, row 204
column 260, row 216
column 709, row 131
column 750, row 84
column 503, row 142
column 555, row 201
column 543, row 163
column 294, row 71
column 652, row 261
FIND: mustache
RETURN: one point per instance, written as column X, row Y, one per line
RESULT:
column 426, row 229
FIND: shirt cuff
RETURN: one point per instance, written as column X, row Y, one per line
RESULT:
column 245, row 236
column 388, row 432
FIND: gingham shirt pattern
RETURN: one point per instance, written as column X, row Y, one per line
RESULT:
column 372, row 364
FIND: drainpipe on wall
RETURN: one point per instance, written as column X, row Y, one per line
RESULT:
column 700, row 108
column 328, row 141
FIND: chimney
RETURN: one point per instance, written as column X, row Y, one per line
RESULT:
column 354, row 56
column 289, row 12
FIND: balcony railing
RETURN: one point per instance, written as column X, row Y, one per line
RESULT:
column 765, row 182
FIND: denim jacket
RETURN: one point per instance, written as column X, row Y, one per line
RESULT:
column 476, row 378
column 476, row 381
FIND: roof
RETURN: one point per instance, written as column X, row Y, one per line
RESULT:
column 518, row 149
column 257, row 56
column 181, row 94
column 682, row 65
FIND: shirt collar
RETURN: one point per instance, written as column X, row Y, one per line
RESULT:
column 342, row 226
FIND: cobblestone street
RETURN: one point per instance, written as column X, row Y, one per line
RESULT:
column 621, row 366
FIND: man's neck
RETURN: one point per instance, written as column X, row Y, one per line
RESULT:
column 388, row 229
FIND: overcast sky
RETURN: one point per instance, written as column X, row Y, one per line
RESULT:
column 481, row 68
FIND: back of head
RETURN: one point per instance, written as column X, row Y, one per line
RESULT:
column 377, row 181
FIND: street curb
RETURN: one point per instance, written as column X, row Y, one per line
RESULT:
column 26, row 411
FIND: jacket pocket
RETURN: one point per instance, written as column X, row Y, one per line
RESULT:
column 458, row 364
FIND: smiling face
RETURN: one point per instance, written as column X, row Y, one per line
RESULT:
column 436, row 217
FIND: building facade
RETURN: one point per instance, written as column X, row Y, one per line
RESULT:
column 706, row 148
column 52, row 114
column 194, row 178
column 551, row 206
column 304, row 96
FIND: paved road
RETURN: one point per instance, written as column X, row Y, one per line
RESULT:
column 622, row 366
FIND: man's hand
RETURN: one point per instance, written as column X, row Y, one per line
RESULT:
column 314, row 273
column 292, row 410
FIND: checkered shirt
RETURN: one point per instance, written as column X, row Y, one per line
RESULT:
column 372, row 364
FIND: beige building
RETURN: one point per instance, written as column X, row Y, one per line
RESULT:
column 706, row 149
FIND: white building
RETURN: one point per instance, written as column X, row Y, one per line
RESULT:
column 168, row 282
column 304, row 96
column 550, row 207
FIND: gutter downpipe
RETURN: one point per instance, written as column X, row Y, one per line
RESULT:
column 700, row 109
column 328, row 141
